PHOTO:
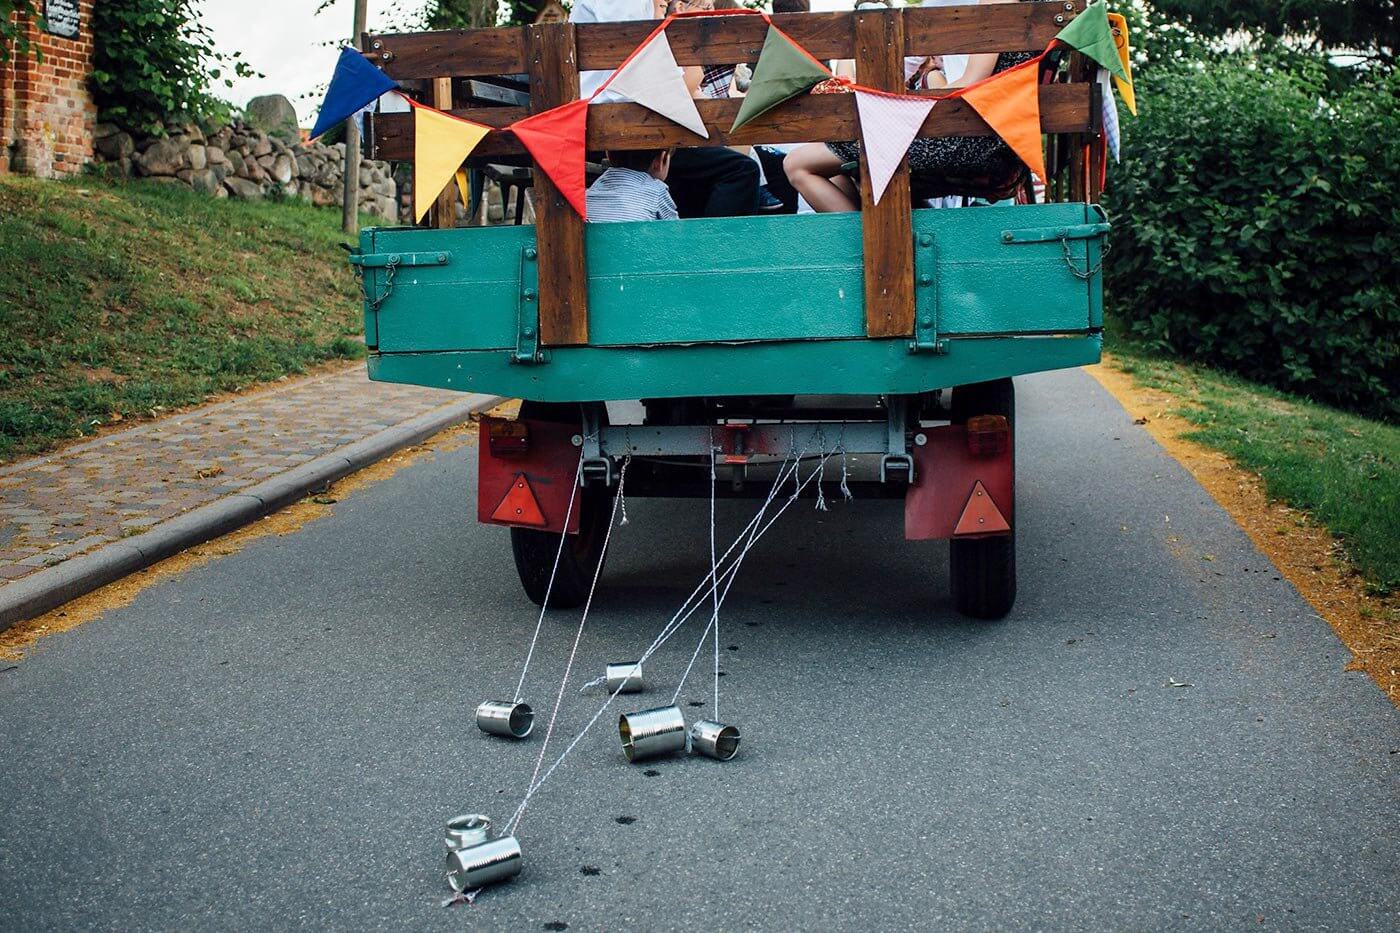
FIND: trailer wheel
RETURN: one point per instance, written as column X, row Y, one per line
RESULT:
column 983, row 570
column 535, row 551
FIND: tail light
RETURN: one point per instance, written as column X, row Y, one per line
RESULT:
column 508, row 438
column 988, row 435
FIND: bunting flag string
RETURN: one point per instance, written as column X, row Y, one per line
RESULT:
column 441, row 144
column 1119, row 25
column 888, row 125
column 355, row 84
column 783, row 71
column 556, row 140
column 651, row 77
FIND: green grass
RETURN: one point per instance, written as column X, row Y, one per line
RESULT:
column 1342, row 468
column 121, row 300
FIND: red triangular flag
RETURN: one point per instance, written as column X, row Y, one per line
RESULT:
column 519, row 507
column 556, row 140
column 1010, row 103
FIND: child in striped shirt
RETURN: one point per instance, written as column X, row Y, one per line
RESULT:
column 633, row 188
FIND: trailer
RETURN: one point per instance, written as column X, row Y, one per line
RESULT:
column 889, row 336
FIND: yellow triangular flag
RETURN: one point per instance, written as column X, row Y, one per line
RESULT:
column 464, row 188
column 441, row 144
column 1120, row 40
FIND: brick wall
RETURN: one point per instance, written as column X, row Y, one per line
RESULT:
column 46, row 110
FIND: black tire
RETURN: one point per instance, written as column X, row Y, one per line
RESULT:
column 983, row 570
column 535, row 551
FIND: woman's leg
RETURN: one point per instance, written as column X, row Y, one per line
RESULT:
column 811, row 169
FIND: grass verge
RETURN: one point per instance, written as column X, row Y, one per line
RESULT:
column 120, row 301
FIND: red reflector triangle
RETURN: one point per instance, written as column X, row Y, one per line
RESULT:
column 980, row 516
column 519, row 507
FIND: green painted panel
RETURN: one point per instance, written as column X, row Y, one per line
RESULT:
column 840, row 367
column 736, row 279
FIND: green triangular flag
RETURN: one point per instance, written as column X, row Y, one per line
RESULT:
column 783, row 71
column 1090, row 34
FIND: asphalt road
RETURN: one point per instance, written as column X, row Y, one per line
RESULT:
column 274, row 740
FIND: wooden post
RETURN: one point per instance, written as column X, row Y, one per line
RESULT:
column 444, row 210
column 350, row 200
column 552, row 61
column 887, row 227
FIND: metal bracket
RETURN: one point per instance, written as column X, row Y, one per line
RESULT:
column 897, row 464
column 381, row 260
column 926, row 297
column 527, row 318
column 1050, row 234
column 595, row 464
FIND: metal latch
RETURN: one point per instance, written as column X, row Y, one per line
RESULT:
column 381, row 260
column 527, row 317
column 1051, row 234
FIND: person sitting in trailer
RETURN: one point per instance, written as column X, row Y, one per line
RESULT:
column 632, row 188
column 818, row 170
column 705, row 181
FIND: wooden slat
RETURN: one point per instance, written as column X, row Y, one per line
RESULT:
column 444, row 212
column 999, row 27
column 1064, row 108
column 887, row 233
column 563, row 285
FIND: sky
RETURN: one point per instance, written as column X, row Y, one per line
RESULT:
column 294, row 47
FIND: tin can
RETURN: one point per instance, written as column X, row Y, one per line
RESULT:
column 625, row 678
column 714, row 740
column 482, row 864
column 504, row 717
column 652, row 732
column 469, row 829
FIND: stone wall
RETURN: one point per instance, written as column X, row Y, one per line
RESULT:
column 243, row 161
column 46, row 112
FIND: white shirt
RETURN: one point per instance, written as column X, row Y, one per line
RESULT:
column 606, row 11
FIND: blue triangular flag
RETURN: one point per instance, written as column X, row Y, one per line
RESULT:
column 355, row 83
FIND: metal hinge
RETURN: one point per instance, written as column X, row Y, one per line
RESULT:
column 527, row 318
column 926, row 297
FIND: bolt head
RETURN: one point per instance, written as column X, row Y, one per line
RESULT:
column 925, row 240
column 530, row 252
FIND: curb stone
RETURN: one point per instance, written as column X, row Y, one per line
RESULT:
column 50, row 588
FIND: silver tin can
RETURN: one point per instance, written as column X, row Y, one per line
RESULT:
column 714, row 740
column 469, row 829
column 652, row 732
column 502, row 717
column 479, row 865
column 625, row 678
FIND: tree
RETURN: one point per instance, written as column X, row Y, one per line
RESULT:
column 1368, row 27
column 155, row 63
column 463, row 14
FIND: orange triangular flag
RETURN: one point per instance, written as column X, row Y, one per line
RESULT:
column 556, row 141
column 1010, row 103
column 519, row 507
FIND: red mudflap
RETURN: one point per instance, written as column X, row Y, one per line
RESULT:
column 529, row 488
column 946, row 479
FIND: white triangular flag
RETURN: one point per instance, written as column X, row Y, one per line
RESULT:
column 1110, row 113
column 888, row 124
column 653, row 79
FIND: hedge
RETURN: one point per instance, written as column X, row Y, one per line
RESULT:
column 1257, row 227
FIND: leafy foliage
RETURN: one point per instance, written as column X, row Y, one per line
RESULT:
column 13, row 39
column 1367, row 26
column 1259, row 226
column 155, row 64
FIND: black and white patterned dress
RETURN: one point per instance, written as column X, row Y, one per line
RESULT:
column 961, row 155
